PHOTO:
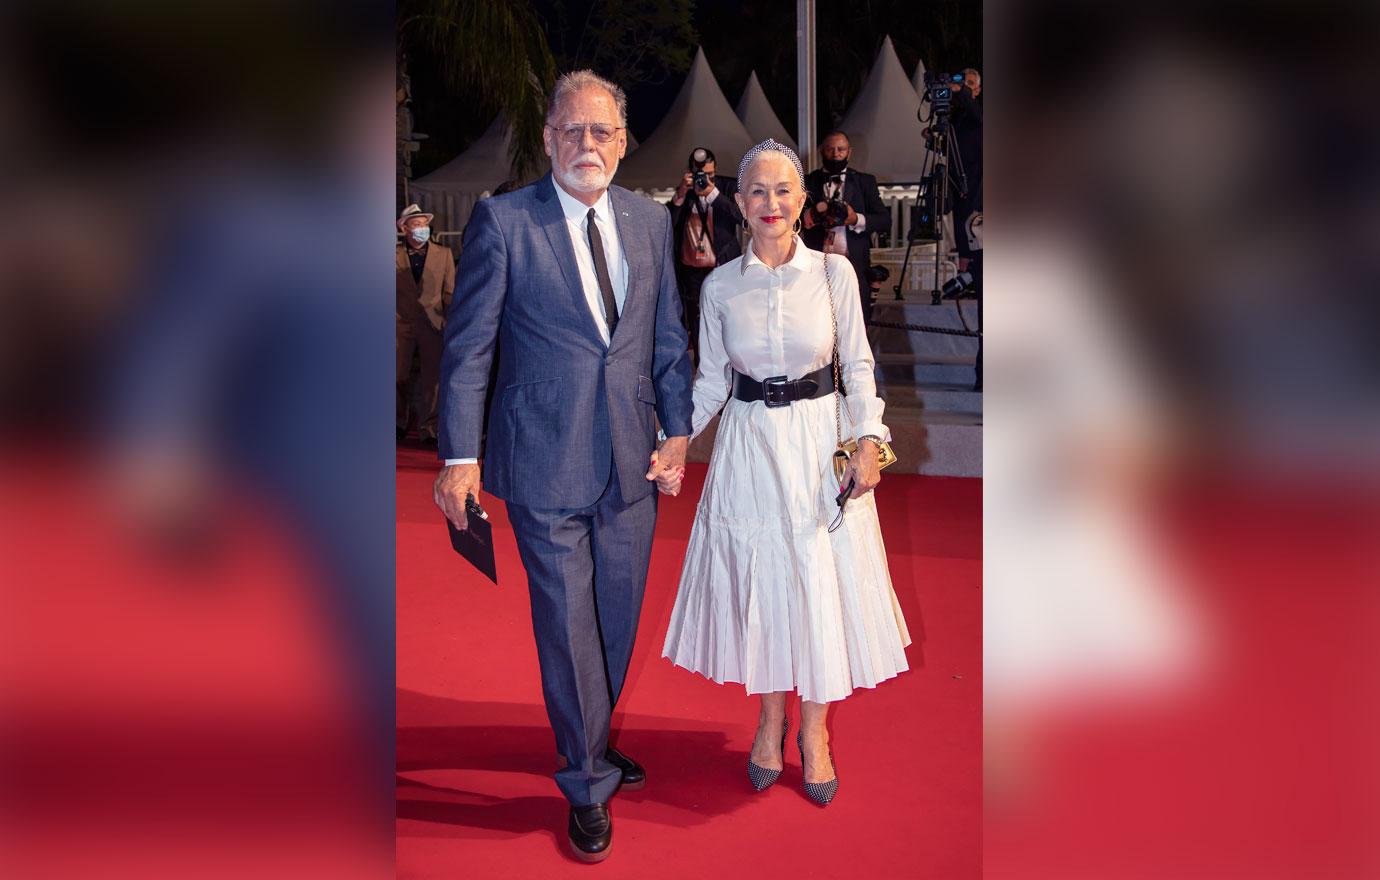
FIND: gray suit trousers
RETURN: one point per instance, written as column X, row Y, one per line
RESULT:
column 586, row 572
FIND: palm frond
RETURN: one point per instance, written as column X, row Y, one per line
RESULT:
column 494, row 51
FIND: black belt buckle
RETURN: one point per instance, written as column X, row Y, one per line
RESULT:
column 774, row 391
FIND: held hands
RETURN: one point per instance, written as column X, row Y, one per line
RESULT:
column 668, row 465
column 863, row 467
column 449, row 491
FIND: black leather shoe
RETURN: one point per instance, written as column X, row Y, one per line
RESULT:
column 634, row 777
column 591, row 832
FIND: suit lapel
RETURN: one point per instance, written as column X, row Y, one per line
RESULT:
column 405, row 270
column 852, row 192
column 553, row 223
column 630, row 237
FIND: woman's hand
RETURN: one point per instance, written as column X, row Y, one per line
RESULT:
column 864, row 468
column 669, row 472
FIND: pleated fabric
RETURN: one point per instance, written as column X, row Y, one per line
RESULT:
column 768, row 597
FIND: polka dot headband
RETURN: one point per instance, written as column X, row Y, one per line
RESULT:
column 763, row 147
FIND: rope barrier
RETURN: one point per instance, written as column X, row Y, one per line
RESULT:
column 924, row 328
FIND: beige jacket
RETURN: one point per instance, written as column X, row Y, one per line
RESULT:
column 432, row 297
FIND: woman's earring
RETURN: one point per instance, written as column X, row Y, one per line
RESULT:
column 796, row 227
column 746, row 227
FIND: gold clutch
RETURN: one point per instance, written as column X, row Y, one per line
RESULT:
column 842, row 455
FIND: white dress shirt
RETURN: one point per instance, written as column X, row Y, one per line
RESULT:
column 576, row 220
column 767, row 322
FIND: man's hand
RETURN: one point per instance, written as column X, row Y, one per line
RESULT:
column 864, row 467
column 449, row 491
column 686, row 183
column 808, row 220
column 852, row 217
column 668, row 464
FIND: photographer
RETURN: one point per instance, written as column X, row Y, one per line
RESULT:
column 705, row 222
column 843, row 209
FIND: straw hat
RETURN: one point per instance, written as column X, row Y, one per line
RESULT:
column 413, row 210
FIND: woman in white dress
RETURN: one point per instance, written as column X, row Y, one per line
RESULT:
column 769, row 597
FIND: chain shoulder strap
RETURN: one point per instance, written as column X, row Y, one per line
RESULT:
column 838, row 372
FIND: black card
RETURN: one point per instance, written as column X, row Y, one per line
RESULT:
column 476, row 542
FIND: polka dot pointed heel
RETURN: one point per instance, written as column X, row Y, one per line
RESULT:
column 760, row 777
column 821, row 793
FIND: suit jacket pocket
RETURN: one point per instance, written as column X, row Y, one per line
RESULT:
column 646, row 390
column 535, row 398
column 533, row 412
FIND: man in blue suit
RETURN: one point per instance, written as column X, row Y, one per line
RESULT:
column 572, row 281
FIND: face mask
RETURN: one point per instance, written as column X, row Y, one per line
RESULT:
column 421, row 234
column 834, row 166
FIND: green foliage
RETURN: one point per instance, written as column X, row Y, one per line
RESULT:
column 626, row 41
column 493, row 50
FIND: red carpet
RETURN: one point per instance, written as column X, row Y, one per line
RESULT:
column 475, row 754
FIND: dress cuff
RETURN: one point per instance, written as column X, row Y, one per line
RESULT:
column 876, row 429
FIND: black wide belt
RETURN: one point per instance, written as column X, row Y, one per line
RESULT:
column 780, row 391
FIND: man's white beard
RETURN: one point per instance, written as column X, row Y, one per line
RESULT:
column 586, row 179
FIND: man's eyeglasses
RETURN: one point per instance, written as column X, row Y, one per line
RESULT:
column 574, row 133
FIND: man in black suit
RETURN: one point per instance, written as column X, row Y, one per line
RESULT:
column 705, row 228
column 966, row 124
column 865, row 212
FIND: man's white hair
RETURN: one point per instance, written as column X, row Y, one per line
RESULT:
column 576, row 80
column 974, row 72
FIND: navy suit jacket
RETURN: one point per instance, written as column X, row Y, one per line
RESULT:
column 860, row 191
column 566, row 406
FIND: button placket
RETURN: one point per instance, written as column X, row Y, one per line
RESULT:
column 778, row 322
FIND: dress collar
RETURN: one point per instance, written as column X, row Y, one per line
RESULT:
column 800, row 260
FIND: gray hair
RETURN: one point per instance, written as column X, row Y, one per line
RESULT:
column 974, row 72
column 576, row 80
column 765, row 146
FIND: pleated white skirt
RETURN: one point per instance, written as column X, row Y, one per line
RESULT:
column 768, row 597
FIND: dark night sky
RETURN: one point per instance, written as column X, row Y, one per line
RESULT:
column 739, row 37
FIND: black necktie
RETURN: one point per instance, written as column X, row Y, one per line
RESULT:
column 601, row 269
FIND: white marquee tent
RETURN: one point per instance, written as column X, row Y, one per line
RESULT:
column 700, row 116
column 882, row 124
column 450, row 191
column 761, row 122
column 918, row 80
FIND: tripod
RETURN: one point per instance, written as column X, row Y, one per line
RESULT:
column 933, row 190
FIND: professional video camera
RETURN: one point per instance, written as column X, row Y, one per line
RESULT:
column 939, row 92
